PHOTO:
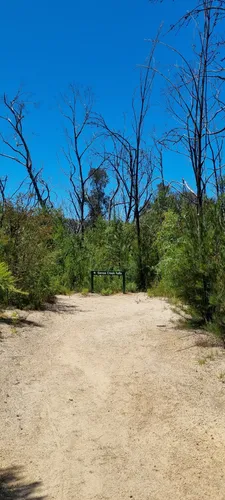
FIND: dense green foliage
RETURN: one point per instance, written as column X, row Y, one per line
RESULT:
column 42, row 254
column 46, row 256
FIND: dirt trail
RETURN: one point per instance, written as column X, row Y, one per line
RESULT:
column 103, row 398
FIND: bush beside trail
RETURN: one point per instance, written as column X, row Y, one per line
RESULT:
column 42, row 255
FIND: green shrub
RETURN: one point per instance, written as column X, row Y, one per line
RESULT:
column 28, row 248
column 192, row 263
column 7, row 284
column 131, row 287
column 106, row 291
column 158, row 290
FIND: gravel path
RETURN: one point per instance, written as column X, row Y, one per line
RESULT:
column 103, row 398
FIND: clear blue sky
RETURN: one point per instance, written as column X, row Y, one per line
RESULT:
column 47, row 44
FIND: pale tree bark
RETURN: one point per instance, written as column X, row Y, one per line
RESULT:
column 113, row 203
column 3, row 182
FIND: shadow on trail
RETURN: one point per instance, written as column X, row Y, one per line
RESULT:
column 195, row 328
column 19, row 322
column 63, row 308
column 16, row 323
column 13, row 486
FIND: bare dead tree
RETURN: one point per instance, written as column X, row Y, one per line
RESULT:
column 195, row 102
column 134, row 175
column 113, row 203
column 159, row 160
column 107, row 160
column 120, row 163
column 215, row 178
column 214, row 7
column 17, row 145
column 81, row 136
column 3, row 182
column 130, row 157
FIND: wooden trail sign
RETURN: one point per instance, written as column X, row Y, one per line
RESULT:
column 108, row 273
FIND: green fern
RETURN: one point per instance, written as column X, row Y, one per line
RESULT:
column 7, row 281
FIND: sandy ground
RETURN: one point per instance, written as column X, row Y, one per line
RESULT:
column 105, row 398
